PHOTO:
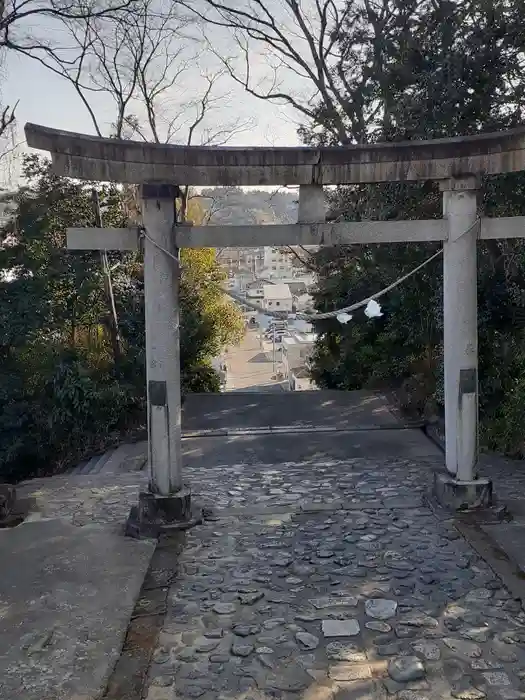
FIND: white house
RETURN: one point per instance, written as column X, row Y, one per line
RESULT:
column 277, row 297
column 299, row 380
column 296, row 351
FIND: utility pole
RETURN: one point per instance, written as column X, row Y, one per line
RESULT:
column 274, row 349
column 108, row 285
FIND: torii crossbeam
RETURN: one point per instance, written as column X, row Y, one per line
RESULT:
column 457, row 163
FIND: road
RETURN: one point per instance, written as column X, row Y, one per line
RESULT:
column 248, row 368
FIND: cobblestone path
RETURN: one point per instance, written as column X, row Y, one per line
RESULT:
column 333, row 580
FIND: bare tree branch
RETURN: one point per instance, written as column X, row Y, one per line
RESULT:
column 301, row 38
column 7, row 117
column 15, row 14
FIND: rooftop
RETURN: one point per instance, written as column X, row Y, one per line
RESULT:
column 300, row 338
column 277, row 291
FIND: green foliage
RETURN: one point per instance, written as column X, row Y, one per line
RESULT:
column 200, row 379
column 436, row 69
column 62, row 391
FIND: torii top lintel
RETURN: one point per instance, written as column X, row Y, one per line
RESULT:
column 94, row 158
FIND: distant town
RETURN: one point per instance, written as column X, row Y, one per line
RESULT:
column 275, row 280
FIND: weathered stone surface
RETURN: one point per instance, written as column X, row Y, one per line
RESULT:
column 378, row 626
column 469, row 694
column 479, row 595
column 412, row 695
column 380, row 608
column 511, row 694
column 503, row 652
column 273, row 623
column 333, row 602
column 340, row 628
column 344, row 651
column 241, row 649
column 302, row 569
column 161, row 655
column 419, row 620
column 282, row 560
column 476, row 634
column 429, row 650
column 349, row 672
column 203, row 644
column 307, row 640
column 496, row 678
column 406, row 668
column 484, row 665
column 463, row 647
column 389, row 649
column 293, row 678
column 242, row 630
column 224, row 608
column 193, row 690
column 92, row 158
column 251, row 598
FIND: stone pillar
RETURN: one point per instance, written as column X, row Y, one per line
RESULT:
column 167, row 503
column 460, row 341
column 312, row 205
column 161, row 291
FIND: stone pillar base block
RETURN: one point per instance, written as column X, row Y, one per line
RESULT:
column 462, row 496
column 155, row 514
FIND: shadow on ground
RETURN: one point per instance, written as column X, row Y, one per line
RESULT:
column 261, row 357
column 335, row 409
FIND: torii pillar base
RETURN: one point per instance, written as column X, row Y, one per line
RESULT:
column 461, row 496
column 159, row 515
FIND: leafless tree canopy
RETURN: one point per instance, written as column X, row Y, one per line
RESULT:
column 146, row 61
column 17, row 15
column 27, row 27
column 331, row 59
column 299, row 41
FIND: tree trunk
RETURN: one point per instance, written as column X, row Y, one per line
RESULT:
column 108, row 287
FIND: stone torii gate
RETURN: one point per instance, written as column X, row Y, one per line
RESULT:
column 456, row 163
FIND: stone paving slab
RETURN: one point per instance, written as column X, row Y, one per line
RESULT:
column 383, row 600
column 66, row 597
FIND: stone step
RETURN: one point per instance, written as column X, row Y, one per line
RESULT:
column 101, row 462
column 91, row 466
column 130, row 457
column 78, row 468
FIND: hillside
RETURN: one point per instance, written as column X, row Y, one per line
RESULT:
column 232, row 205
